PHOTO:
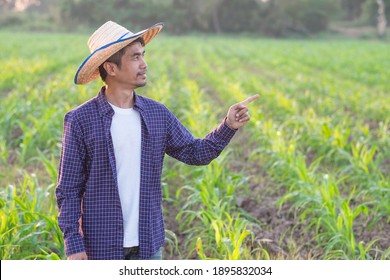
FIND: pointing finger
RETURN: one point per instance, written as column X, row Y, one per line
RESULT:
column 249, row 100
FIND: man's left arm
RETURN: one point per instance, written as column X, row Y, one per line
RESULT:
column 184, row 147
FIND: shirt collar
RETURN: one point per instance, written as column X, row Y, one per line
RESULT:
column 106, row 109
column 139, row 102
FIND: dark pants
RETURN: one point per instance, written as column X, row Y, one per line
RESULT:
column 133, row 254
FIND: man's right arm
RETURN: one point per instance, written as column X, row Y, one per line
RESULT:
column 71, row 186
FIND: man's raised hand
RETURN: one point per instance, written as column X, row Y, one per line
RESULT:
column 238, row 114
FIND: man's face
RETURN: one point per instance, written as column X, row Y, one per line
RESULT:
column 132, row 72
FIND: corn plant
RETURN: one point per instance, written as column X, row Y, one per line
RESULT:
column 28, row 231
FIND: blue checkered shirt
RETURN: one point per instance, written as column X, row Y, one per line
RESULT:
column 90, row 214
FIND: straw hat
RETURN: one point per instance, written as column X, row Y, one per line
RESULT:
column 104, row 42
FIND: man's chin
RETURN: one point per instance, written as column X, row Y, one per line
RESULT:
column 142, row 84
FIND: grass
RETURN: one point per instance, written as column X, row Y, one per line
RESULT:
column 320, row 133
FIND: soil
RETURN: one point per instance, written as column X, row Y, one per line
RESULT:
column 280, row 233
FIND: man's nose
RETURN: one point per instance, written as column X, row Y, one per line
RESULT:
column 143, row 64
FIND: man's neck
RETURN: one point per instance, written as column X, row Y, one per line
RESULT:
column 122, row 98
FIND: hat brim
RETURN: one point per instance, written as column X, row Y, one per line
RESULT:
column 89, row 68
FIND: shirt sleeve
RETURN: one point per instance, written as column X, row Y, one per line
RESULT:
column 182, row 146
column 71, row 186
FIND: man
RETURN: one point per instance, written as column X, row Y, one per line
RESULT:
column 109, row 182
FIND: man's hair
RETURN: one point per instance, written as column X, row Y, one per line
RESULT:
column 117, row 58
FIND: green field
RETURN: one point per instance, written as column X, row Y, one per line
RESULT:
column 307, row 178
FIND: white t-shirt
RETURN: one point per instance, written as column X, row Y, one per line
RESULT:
column 126, row 138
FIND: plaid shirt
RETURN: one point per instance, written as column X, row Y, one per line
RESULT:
column 90, row 214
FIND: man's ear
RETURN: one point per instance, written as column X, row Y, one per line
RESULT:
column 110, row 68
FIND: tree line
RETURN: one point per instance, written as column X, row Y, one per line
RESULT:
column 275, row 18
